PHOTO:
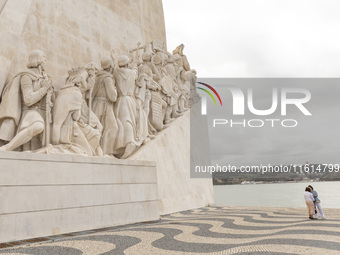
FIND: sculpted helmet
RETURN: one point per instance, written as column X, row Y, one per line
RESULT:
column 106, row 62
column 146, row 56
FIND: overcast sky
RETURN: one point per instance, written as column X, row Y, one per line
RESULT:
column 265, row 38
column 315, row 139
column 262, row 38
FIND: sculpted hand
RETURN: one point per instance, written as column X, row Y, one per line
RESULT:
column 76, row 115
column 91, row 81
column 46, row 83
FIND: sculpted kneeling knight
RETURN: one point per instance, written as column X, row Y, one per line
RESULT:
column 23, row 107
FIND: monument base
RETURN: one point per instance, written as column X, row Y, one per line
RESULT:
column 43, row 195
column 172, row 154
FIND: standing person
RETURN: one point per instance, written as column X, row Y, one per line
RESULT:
column 317, row 205
column 309, row 202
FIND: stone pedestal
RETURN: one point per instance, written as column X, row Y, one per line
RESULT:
column 171, row 151
column 42, row 195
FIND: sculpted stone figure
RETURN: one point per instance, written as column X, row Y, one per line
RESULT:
column 104, row 96
column 89, row 122
column 167, row 92
column 188, row 78
column 171, row 71
column 194, row 97
column 149, row 94
column 23, row 107
column 127, row 111
column 183, row 90
column 67, row 108
column 183, row 59
column 184, row 79
column 73, row 131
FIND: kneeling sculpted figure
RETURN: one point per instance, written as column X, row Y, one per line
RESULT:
column 23, row 108
column 73, row 132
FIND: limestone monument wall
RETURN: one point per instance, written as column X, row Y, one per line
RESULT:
column 73, row 33
column 94, row 117
column 177, row 190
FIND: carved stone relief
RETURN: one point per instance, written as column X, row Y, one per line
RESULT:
column 110, row 110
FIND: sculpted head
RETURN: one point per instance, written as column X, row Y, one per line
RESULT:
column 179, row 50
column 92, row 68
column 157, row 59
column 146, row 57
column 77, row 77
column 165, row 59
column 177, row 58
column 106, row 63
column 123, row 61
column 171, row 58
column 36, row 58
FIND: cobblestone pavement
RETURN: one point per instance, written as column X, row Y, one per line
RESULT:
column 209, row 230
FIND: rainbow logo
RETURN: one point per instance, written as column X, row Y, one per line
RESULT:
column 204, row 99
column 212, row 89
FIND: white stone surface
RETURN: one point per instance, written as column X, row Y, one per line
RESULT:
column 73, row 33
column 43, row 195
column 50, row 194
column 13, row 16
column 177, row 191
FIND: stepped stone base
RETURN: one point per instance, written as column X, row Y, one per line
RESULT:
column 42, row 195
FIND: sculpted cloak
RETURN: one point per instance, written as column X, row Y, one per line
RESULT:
column 11, row 107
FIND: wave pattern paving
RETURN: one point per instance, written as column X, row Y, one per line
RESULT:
column 209, row 230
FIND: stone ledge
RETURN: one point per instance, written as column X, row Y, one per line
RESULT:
column 71, row 158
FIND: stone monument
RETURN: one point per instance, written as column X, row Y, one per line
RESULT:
column 68, row 124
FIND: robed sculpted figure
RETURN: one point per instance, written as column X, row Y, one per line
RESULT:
column 73, row 131
column 127, row 110
column 148, row 94
column 25, row 107
column 104, row 97
column 96, row 112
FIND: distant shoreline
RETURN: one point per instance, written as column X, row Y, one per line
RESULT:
column 271, row 182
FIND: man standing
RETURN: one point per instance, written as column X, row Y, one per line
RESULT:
column 317, row 205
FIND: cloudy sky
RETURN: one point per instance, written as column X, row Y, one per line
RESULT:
column 265, row 38
column 262, row 38
column 315, row 139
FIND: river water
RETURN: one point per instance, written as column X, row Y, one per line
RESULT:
column 276, row 194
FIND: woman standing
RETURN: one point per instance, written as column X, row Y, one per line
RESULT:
column 309, row 202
